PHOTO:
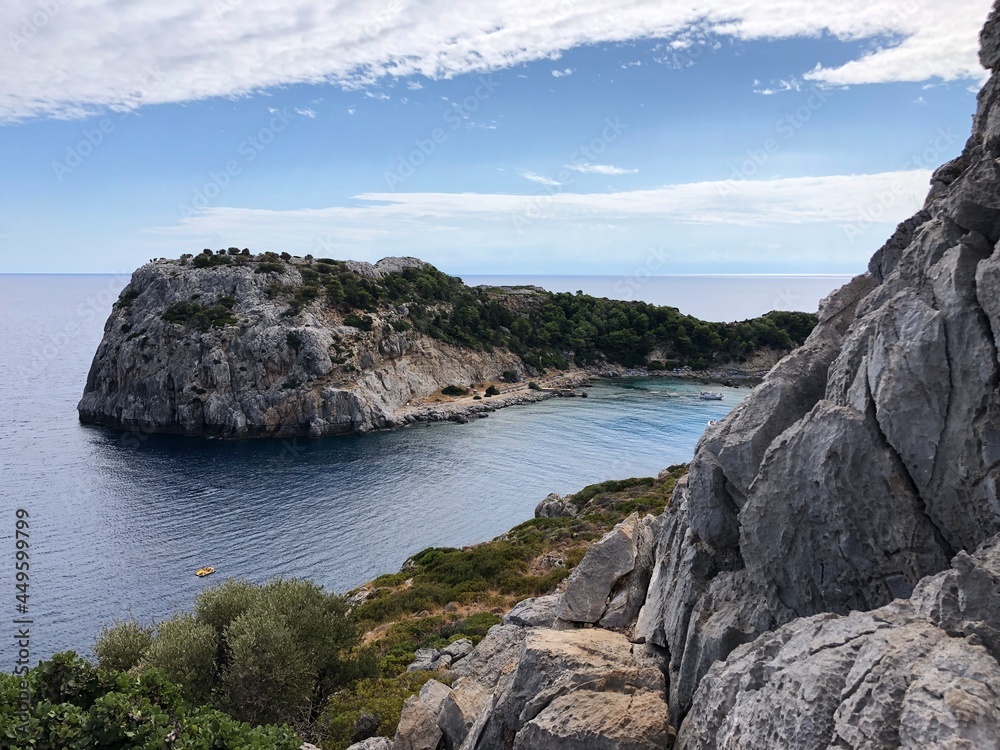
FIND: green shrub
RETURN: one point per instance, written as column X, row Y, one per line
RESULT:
column 534, row 386
column 369, row 708
column 185, row 651
column 269, row 677
column 267, row 266
column 492, row 391
column 122, row 646
column 358, row 321
column 294, row 340
column 454, row 390
column 72, row 704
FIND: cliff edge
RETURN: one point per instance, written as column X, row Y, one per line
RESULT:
column 797, row 590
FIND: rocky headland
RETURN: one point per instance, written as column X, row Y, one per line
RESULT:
column 231, row 344
column 827, row 575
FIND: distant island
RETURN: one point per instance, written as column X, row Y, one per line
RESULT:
column 233, row 344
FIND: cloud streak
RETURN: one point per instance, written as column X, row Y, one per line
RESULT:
column 63, row 59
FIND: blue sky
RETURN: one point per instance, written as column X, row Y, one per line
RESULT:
column 562, row 137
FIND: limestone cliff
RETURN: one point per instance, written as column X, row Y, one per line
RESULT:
column 226, row 351
column 794, row 592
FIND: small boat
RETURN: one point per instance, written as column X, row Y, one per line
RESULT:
column 206, row 571
column 710, row 396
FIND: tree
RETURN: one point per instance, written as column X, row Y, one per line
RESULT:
column 122, row 646
column 185, row 649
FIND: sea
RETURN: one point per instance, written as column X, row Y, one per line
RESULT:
column 116, row 522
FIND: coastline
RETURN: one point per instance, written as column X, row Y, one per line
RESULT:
column 515, row 394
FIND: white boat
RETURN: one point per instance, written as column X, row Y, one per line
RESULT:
column 710, row 396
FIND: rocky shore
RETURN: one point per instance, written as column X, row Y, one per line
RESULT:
column 828, row 573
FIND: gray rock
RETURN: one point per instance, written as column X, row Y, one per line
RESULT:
column 372, row 743
column 461, row 708
column 267, row 374
column 458, row 649
column 868, row 457
column 609, row 584
column 913, row 674
column 588, row 720
column 418, row 728
column 539, row 611
column 423, row 660
column 555, row 506
column 553, row 664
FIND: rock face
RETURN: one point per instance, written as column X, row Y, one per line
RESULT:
column 915, row 674
column 793, row 590
column 868, row 457
column 257, row 370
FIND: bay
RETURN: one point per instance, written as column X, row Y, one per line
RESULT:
column 119, row 521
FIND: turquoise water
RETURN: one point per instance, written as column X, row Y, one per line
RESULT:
column 119, row 522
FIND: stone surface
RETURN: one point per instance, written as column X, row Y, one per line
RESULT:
column 557, row 663
column 464, row 704
column 913, row 674
column 418, row 728
column 587, row 720
column 868, row 457
column 539, row 611
column 609, row 584
column 372, row 743
column 555, row 506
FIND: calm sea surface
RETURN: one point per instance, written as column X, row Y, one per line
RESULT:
column 119, row 522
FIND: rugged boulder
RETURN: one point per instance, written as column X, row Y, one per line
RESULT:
column 868, row 457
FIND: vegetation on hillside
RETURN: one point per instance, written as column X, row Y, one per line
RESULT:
column 545, row 329
column 258, row 666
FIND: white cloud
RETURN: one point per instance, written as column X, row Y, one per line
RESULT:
column 378, row 95
column 540, row 179
column 562, row 73
column 790, row 85
column 607, row 169
column 310, row 113
column 121, row 54
column 823, row 219
column 414, row 85
column 920, row 100
column 352, row 110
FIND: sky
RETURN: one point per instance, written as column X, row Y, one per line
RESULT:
column 542, row 137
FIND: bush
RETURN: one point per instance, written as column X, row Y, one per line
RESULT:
column 72, row 704
column 185, row 651
column 269, row 677
column 267, row 266
column 294, row 340
column 122, row 646
column 492, row 391
column 454, row 390
column 509, row 376
column 534, row 386
column 357, row 321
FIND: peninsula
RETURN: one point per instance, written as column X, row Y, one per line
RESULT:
column 232, row 344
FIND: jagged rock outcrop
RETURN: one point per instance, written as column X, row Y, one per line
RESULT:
column 252, row 369
column 917, row 673
column 538, row 688
column 795, row 595
column 867, row 458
